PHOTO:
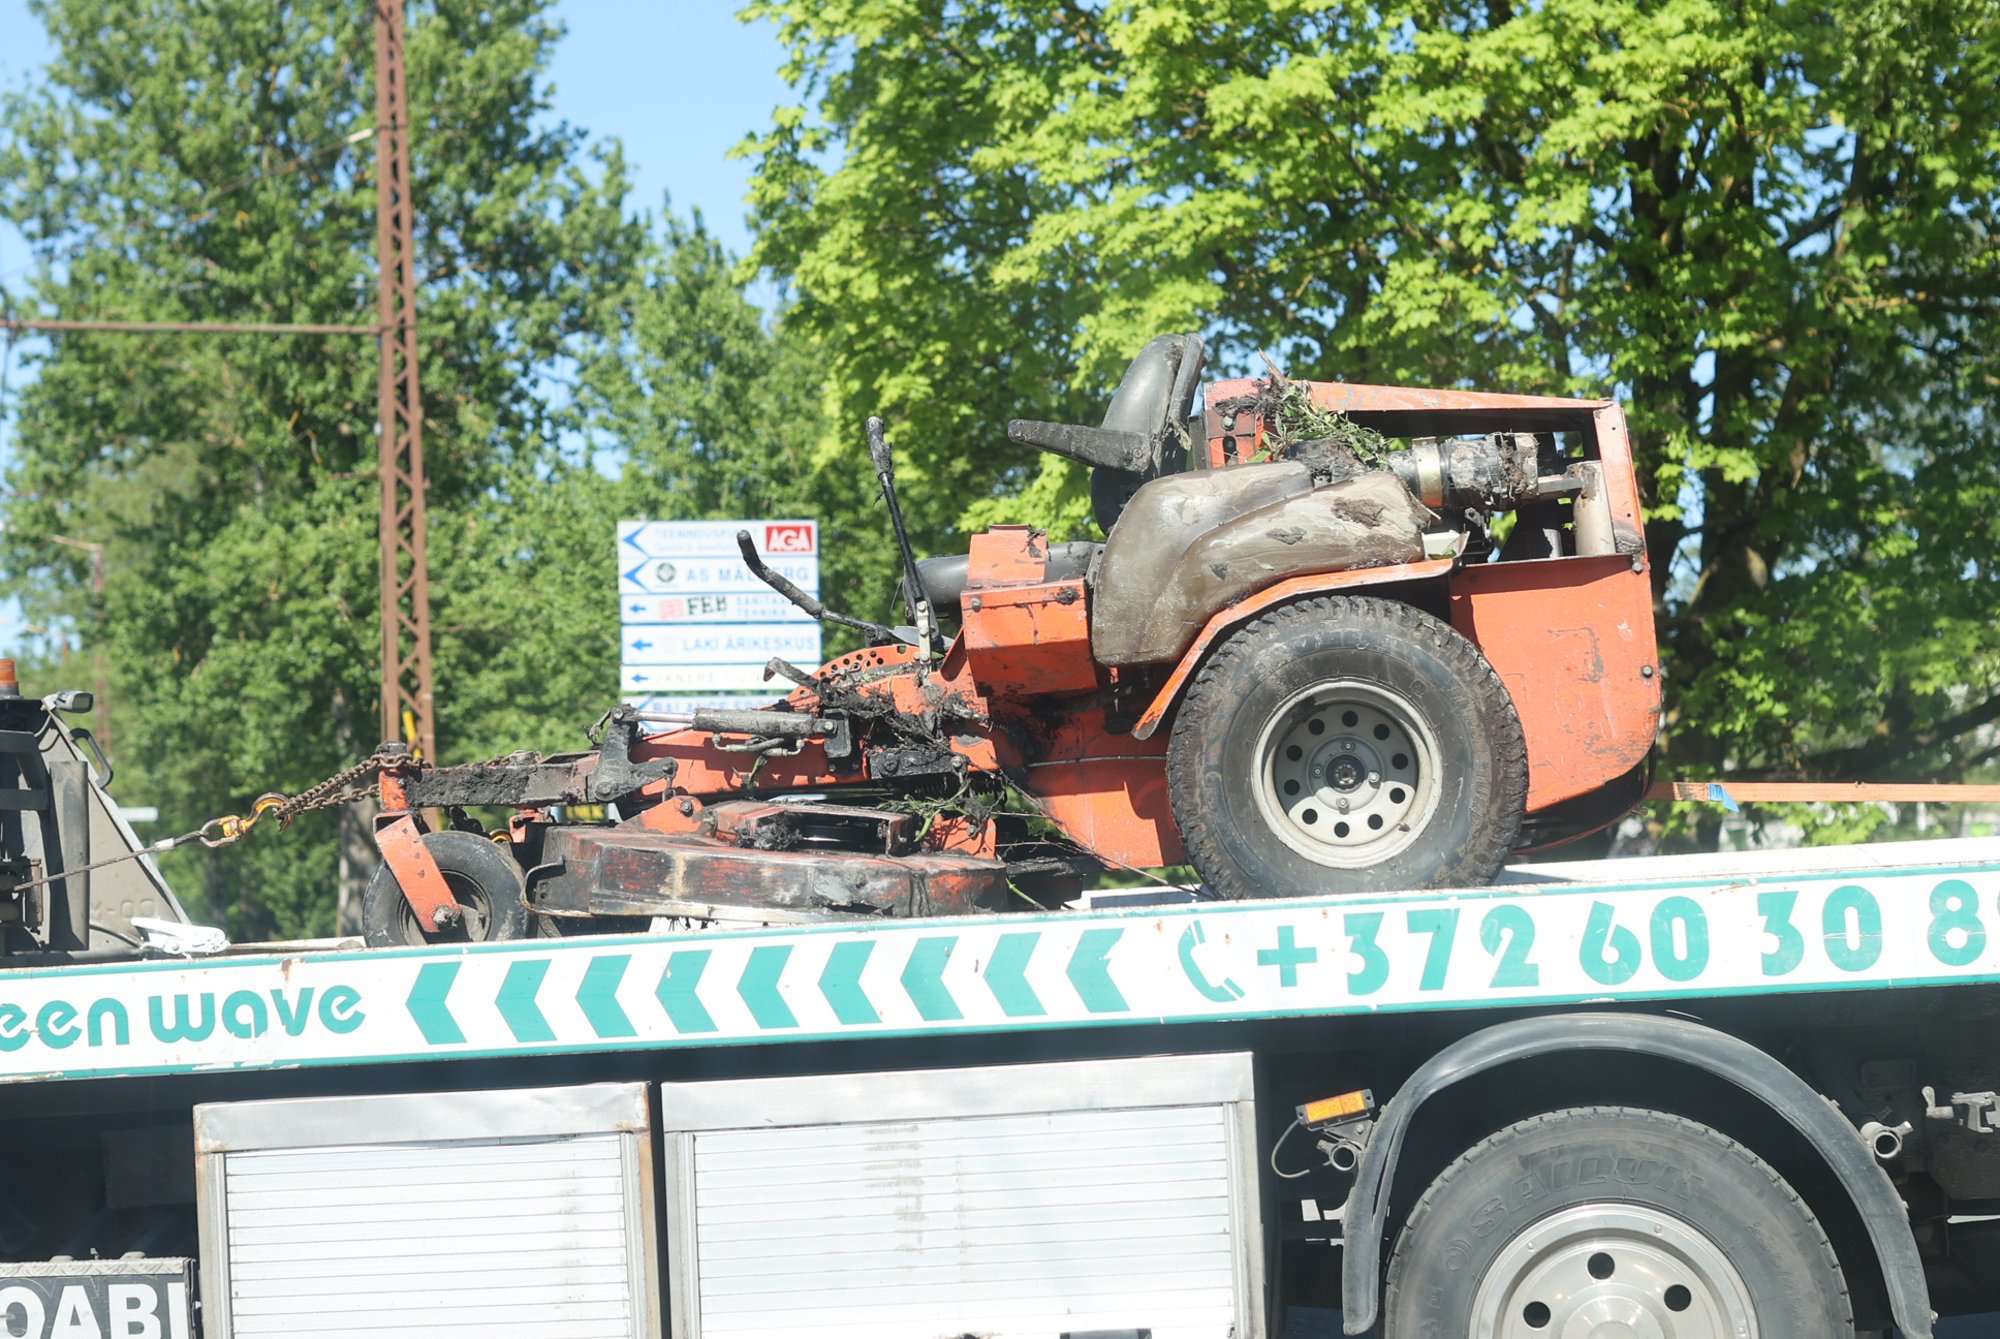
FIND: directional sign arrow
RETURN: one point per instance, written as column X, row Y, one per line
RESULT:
column 1006, row 975
column 598, row 996
column 1091, row 974
column 759, row 986
column 517, row 1001
column 923, row 979
column 677, row 987
column 841, row 982
column 427, row 1006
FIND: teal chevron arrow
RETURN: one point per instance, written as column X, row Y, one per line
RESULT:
column 841, row 982
column 598, row 996
column 677, row 987
column 923, row 979
column 517, row 1001
column 1006, row 975
column 1091, row 974
column 427, row 1007
column 759, row 986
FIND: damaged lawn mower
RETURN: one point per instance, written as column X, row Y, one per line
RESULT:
column 1338, row 639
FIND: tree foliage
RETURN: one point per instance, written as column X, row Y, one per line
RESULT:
column 1769, row 226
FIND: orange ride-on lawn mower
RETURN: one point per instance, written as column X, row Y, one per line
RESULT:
column 1338, row 639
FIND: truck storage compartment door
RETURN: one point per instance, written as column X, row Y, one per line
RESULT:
column 1029, row 1200
column 511, row 1215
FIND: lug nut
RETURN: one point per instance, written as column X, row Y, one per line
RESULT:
column 1347, row 746
column 1374, row 778
column 1340, row 805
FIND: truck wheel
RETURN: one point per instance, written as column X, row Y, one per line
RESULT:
column 1346, row 745
column 1603, row 1220
column 483, row 879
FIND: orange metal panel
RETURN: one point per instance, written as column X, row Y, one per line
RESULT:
column 1007, row 555
column 416, row 869
column 1572, row 638
column 1032, row 638
column 1113, row 806
column 1079, row 729
column 1621, row 483
column 1296, row 587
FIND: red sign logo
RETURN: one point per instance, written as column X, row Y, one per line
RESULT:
column 788, row 538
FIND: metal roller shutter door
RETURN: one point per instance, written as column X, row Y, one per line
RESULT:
column 512, row 1235
column 1017, row 1224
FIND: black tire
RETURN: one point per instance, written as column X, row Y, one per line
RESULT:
column 1612, row 1207
column 1349, row 669
column 484, row 880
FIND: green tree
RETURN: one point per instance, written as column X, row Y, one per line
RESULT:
column 1770, row 226
column 709, row 406
column 690, row 404
column 212, row 162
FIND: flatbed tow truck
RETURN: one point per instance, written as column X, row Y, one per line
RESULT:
column 1705, row 1095
column 738, row 1061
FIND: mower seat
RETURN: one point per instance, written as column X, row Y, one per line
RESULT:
column 1145, row 429
column 943, row 578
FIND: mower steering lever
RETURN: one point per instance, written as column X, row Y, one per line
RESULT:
column 878, row 635
column 913, row 586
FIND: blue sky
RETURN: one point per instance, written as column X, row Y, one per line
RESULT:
column 679, row 82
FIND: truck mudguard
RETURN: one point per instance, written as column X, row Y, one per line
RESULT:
column 1742, row 1064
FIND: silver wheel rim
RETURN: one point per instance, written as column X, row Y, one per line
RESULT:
column 1612, row 1271
column 1347, row 773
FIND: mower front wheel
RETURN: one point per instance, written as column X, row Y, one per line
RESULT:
column 484, row 881
column 1344, row 745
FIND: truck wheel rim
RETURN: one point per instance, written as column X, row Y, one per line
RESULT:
column 1347, row 773
column 1612, row 1271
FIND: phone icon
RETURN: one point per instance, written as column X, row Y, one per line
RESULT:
column 1191, row 938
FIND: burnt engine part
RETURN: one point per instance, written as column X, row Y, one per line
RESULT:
column 527, row 780
column 793, row 827
column 629, row 871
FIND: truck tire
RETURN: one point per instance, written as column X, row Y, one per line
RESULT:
column 1346, row 745
column 483, row 879
column 1635, row 1220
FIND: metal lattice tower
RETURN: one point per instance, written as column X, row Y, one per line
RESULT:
column 406, row 596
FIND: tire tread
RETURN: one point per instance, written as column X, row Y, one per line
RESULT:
column 1752, row 1167
column 1475, row 863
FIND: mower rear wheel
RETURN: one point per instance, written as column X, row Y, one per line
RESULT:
column 1343, row 745
column 484, row 881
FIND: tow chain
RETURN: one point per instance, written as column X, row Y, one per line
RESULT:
column 228, row 829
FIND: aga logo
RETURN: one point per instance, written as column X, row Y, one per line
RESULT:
column 788, row 538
